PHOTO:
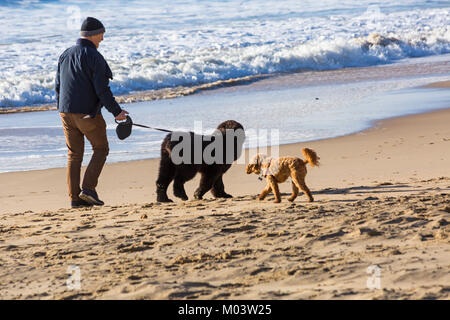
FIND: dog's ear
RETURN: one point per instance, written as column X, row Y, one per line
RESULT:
column 255, row 159
column 259, row 160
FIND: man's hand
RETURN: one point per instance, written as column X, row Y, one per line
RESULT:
column 122, row 116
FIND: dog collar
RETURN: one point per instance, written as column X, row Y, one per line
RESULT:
column 266, row 170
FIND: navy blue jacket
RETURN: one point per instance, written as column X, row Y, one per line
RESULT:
column 82, row 81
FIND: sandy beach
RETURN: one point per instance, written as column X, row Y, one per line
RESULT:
column 378, row 229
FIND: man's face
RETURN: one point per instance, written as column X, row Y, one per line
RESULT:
column 96, row 39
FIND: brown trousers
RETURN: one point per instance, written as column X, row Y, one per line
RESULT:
column 76, row 126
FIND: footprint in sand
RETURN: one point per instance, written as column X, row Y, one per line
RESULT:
column 393, row 221
column 39, row 254
column 83, row 227
column 424, row 236
column 369, row 232
column 440, row 223
column 129, row 247
column 238, row 229
column 332, row 235
column 259, row 270
column 134, row 277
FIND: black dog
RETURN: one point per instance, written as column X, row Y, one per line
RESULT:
column 228, row 133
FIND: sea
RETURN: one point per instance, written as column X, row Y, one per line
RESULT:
column 312, row 69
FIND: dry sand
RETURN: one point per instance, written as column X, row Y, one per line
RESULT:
column 382, row 198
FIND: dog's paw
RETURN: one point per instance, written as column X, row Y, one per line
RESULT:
column 226, row 195
column 291, row 199
column 222, row 194
column 164, row 200
column 198, row 196
column 182, row 196
column 277, row 201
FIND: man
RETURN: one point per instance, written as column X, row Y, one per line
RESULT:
column 82, row 89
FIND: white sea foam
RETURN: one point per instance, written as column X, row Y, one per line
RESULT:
column 184, row 43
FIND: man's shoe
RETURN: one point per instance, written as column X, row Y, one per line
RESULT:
column 80, row 204
column 91, row 196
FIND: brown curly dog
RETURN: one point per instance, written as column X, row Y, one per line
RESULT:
column 279, row 170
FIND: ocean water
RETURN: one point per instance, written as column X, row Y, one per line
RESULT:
column 168, row 43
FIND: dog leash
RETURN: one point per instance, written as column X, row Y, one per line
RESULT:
column 159, row 129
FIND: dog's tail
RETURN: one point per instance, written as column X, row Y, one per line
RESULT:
column 311, row 157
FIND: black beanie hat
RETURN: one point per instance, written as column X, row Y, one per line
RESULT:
column 91, row 27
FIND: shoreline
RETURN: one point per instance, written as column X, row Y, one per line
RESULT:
column 373, row 124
